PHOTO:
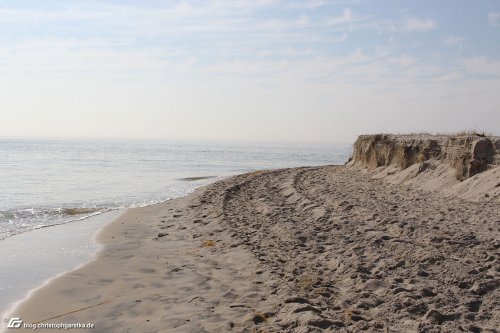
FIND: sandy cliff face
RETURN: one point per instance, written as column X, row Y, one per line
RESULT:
column 468, row 155
column 467, row 166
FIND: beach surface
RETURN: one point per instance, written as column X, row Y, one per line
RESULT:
column 298, row 250
column 32, row 258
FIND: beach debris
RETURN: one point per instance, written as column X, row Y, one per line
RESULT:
column 209, row 243
column 297, row 299
column 325, row 323
column 258, row 318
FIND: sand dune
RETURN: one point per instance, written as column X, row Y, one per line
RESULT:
column 467, row 166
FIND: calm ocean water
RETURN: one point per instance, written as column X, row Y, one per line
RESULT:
column 47, row 182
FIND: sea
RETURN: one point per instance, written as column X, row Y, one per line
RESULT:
column 47, row 182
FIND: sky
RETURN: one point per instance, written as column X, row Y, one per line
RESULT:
column 248, row 70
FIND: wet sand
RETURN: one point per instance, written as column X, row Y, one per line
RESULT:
column 293, row 250
column 30, row 258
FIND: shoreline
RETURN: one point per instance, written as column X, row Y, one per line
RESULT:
column 82, row 234
column 287, row 250
column 55, row 224
column 106, row 237
column 6, row 310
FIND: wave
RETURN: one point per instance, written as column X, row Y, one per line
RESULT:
column 192, row 179
column 16, row 221
column 79, row 210
column 19, row 220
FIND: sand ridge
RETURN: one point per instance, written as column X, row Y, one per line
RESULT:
column 293, row 250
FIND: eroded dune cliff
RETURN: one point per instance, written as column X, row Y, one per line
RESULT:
column 467, row 166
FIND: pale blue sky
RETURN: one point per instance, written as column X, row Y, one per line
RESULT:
column 261, row 70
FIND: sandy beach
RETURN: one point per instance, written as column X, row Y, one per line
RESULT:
column 295, row 250
column 206, row 166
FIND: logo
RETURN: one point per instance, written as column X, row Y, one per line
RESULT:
column 14, row 322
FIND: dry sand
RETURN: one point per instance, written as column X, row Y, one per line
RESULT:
column 293, row 250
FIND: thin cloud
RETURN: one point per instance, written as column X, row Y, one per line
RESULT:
column 284, row 25
column 482, row 66
column 413, row 24
column 494, row 19
column 346, row 17
column 404, row 25
column 312, row 4
column 452, row 41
